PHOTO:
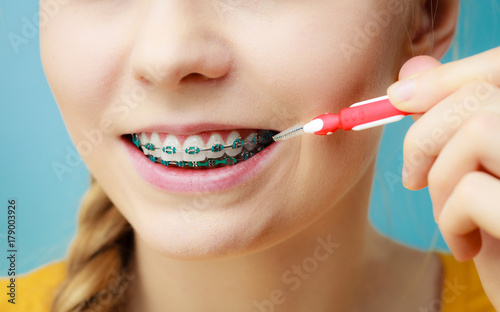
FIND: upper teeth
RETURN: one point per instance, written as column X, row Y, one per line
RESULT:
column 193, row 148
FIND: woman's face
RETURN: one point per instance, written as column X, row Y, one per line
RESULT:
column 196, row 70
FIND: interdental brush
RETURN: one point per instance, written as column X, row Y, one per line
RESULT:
column 359, row 116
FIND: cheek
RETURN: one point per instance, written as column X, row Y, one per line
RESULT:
column 296, row 59
column 303, row 63
column 81, row 61
column 324, row 60
column 334, row 164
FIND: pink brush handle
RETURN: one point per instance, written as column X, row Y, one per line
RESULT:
column 359, row 116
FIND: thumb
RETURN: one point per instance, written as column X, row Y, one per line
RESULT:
column 418, row 64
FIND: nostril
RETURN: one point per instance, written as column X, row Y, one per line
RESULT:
column 194, row 77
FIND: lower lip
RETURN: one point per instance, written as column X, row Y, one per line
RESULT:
column 178, row 180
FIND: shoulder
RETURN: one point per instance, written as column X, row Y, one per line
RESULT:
column 461, row 288
column 32, row 291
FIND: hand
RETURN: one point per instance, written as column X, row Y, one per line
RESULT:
column 454, row 148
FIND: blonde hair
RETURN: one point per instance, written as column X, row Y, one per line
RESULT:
column 98, row 259
column 98, row 271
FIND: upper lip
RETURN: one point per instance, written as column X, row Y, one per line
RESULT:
column 191, row 129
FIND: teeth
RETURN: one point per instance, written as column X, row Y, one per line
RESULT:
column 171, row 143
column 155, row 140
column 192, row 147
column 249, row 142
column 195, row 150
column 231, row 140
column 215, row 139
column 144, row 141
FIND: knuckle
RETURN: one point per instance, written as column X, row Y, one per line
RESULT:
column 474, row 95
column 494, row 92
column 419, row 146
column 410, row 149
column 409, row 140
column 479, row 125
column 470, row 87
column 469, row 97
column 486, row 90
column 465, row 190
column 437, row 181
column 471, row 90
column 446, row 225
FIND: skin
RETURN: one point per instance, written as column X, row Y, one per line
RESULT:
column 460, row 166
column 283, row 62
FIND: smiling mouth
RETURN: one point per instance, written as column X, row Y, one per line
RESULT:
column 202, row 151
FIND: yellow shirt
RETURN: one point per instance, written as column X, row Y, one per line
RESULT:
column 462, row 290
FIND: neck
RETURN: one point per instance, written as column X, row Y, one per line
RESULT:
column 318, row 269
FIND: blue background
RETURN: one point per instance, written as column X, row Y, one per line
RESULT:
column 34, row 137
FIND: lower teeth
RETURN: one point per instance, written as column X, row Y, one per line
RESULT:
column 264, row 139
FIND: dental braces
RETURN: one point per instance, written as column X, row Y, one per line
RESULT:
column 193, row 150
column 209, row 162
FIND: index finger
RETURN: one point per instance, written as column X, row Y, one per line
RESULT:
column 419, row 92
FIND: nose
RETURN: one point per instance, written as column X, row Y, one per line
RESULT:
column 176, row 44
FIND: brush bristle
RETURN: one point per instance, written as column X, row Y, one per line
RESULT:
column 291, row 132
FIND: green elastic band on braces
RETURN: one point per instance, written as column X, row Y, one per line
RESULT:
column 237, row 143
column 247, row 155
column 136, row 141
column 192, row 150
column 257, row 139
column 213, row 162
column 217, row 148
column 169, row 150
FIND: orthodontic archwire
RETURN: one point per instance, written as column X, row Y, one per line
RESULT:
column 193, row 150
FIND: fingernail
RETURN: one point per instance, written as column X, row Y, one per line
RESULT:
column 405, row 177
column 402, row 90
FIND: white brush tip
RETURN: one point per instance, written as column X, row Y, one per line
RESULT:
column 313, row 126
column 289, row 133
